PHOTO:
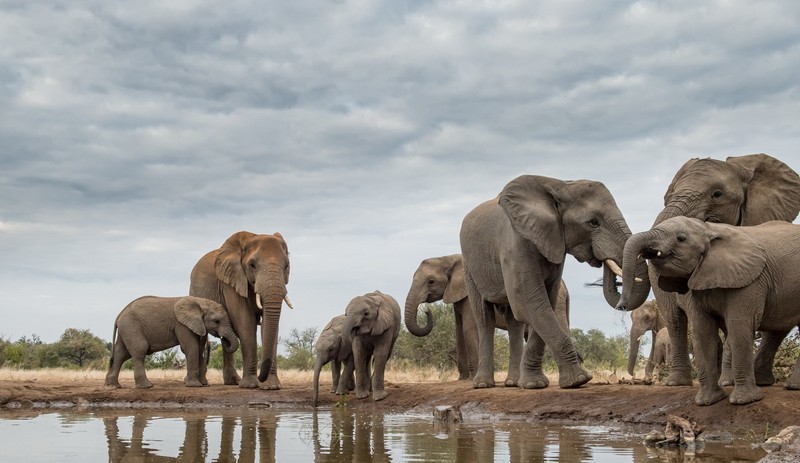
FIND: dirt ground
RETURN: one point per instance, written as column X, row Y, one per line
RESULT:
column 590, row 404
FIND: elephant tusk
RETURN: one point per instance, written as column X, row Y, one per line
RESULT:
column 288, row 302
column 258, row 302
column 614, row 267
column 658, row 254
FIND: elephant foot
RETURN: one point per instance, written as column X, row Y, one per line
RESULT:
column 482, row 381
column 792, row 386
column 709, row 396
column 379, row 395
column 745, row 394
column 230, row 379
column 193, row 383
column 764, row 378
column 725, row 379
column 113, row 383
column 144, row 384
column 362, row 394
column 463, row 376
column 249, row 382
column 573, row 377
column 272, row 383
column 677, row 378
column 534, row 381
column 204, row 381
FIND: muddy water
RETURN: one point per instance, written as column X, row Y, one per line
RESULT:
column 338, row 435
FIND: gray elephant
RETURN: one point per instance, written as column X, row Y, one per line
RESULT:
column 151, row 324
column 248, row 276
column 514, row 247
column 742, row 190
column 738, row 279
column 646, row 318
column 331, row 348
column 442, row 279
column 372, row 326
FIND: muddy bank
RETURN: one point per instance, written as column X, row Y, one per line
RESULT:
column 592, row 404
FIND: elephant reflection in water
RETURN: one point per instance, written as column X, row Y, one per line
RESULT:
column 257, row 438
column 194, row 447
column 353, row 437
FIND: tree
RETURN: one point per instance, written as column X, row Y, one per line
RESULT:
column 81, row 348
column 300, row 347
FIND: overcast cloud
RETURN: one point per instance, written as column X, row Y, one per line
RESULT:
column 137, row 136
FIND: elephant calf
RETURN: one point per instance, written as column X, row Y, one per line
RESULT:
column 330, row 347
column 151, row 324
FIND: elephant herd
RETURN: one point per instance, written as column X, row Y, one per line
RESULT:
column 719, row 257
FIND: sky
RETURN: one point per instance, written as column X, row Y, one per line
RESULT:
column 137, row 136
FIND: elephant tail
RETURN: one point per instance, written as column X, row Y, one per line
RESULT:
column 113, row 341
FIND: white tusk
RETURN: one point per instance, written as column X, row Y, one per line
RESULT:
column 658, row 254
column 258, row 302
column 288, row 302
column 614, row 267
column 637, row 279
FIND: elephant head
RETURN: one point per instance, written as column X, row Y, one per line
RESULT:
column 576, row 217
column 257, row 267
column 742, row 190
column 329, row 346
column 437, row 278
column 204, row 316
column 368, row 315
column 692, row 254
column 643, row 319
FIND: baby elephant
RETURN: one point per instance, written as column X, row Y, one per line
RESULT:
column 152, row 324
column 330, row 348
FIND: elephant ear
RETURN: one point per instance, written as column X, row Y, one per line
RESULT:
column 773, row 193
column 456, row 288
column 732, row 260
column 285, row 250
column 228, row 265
column 385, row 318
column 531, row 203
column 190, row 314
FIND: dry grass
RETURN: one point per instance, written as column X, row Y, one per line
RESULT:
column 420, row 375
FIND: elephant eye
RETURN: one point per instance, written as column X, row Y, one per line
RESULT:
column 681, row 236
column 430, row 282
column 594, row 222
column 716, row 194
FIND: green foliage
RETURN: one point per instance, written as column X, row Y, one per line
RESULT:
column 598, row 351
column 786, row 356
column 76, row 348
column 215, row 358
column 437, row 349
column 81, row 348
column 170, row 359
column 300, row 350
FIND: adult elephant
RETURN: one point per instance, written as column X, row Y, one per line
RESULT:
column 442, row 279
column 742, row 190
column 248, row 276
column 514, row 247
column 646, row 318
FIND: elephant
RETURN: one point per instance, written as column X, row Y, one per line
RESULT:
column 646, row 318
column 514, row 248
column 151, row 324
column 372, row 325
column 248, row 276
column 742, row 190
column 442, row 279
column 330, row 348
column 738, row 279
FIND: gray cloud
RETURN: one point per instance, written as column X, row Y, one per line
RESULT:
column 136, row 138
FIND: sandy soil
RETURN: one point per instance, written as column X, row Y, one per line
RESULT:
column 591, row 404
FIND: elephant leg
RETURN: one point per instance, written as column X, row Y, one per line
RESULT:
column 705, row 335
column 202, row 369
column 726, row 376
column 483, row 313
column 741, row 331
column 532, row 375
column 193, row 352
column 765, row 356
column 119, row 356
column 469, row 330
column 336, row 368
column 380, row 357
column 245, row 326
column 461, row 350
column 139, row 376
column 360, row 359
column 515, row 333
column 680, row 372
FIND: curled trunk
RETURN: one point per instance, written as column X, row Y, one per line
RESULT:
column 639, row 286
column 631, row 265
column 412, row 306
column 230, row 342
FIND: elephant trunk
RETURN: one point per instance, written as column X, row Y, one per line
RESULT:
column 230, row 342
column 270, row 294
column 632, row 265
column 347, row 330
column 640, row 281
column 633, row 352
column 413, row 301
column 317, row 369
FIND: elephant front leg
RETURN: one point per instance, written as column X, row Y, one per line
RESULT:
column 246, row 330
column 462, row 361
column 705, row 335
column 360, row 360
column 741, row 332
column 680, row 371
column 515, row 334
column 484, row 317
column 380, row 356
column 532, row 375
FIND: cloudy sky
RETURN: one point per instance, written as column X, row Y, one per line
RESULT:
column 137, row 136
